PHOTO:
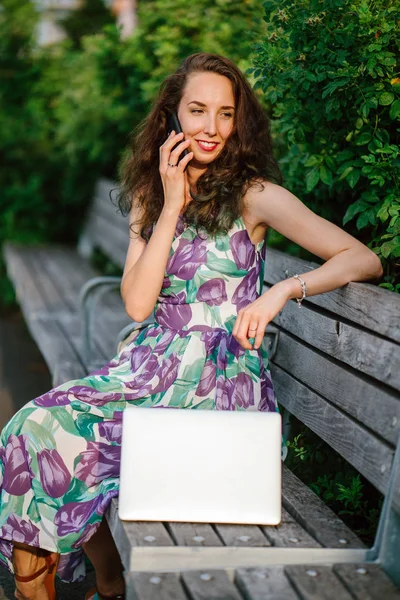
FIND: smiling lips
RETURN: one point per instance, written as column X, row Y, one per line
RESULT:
column 207, row 146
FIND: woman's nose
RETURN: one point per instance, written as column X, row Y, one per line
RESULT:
column 210, row 127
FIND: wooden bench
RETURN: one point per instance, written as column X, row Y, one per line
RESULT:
column 336, row 367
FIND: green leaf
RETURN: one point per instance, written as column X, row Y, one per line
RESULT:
column 325, row 175
column 353, row 177
column 312, row 179
column 363, row 138
column 395, row 110
column 345, row 173
column 386, row 98
column 353, row 210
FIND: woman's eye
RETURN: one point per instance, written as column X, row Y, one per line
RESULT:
column 227, row 114
column 196, row 110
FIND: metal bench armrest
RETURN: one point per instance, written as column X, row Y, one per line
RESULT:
column 89, row 296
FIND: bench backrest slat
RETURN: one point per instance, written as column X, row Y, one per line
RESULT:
column 362, row 303
column 337, row 367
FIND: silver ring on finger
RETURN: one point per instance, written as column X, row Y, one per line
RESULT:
column 171, row 165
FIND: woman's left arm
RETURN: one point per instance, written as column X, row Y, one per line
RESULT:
column 346, row 258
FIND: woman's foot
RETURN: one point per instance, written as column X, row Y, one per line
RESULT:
column 34, row 571
column 115, row 592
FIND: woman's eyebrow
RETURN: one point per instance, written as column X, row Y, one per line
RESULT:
column 203, row 105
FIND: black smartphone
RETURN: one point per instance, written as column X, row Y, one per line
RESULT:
column 174, row 125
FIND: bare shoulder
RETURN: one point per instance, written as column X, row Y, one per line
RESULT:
column 277, row 207
column 264, row 198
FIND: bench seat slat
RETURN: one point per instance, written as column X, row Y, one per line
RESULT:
column 242, row 535
column 193, row 534
column 363, row 303
column 61, row 356
column 290, row 535
column 325, row 585
column 210, row 585
column 315, row 516
column 369, row 455
column 363, row 399
column 367, row 582
column 154, row 586
column 269, row 583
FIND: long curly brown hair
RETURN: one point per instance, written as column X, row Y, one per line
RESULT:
column 245, row 159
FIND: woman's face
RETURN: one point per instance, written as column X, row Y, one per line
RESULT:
column 206, row 113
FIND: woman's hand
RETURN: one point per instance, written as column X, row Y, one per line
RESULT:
column 252, row 320
column 173, row 177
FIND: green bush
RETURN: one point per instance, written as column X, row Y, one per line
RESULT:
column 330, row 74
column 66, row 114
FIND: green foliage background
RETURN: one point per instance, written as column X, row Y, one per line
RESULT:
column 330, row 73
column 66, row 114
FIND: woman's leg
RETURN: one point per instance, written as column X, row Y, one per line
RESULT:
column 34, row 572
column 104, row 556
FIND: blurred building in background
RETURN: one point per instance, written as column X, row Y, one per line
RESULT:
column 53, row 11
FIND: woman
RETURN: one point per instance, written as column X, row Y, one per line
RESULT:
column 196, row 255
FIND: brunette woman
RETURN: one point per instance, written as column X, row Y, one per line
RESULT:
column 196, row 258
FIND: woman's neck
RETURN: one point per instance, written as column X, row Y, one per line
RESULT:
column 194, row 172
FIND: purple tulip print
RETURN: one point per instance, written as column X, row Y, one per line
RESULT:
column 187, row 258
column 19, row 529
column 111, row 431
column 53, row 398
column 17, row 474
column 243, row 392
column 74, row 516
column 61, row 461
column 243, row 250
column 213, row 292
column 98, row 462
column 207, row 380
column 54, row 475
column 245, row 292
column 173, row 316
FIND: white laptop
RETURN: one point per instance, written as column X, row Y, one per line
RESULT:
column 204, row 466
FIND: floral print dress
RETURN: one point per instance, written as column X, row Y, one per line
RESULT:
column 60, row 454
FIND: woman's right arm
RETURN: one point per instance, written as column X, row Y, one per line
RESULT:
column 145, row 263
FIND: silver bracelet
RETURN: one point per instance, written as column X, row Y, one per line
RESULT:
column 303, row 289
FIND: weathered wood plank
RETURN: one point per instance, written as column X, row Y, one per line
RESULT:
column 241, row 535
column 356, row 301
column 316, row 583
column 268, row 583
column 290, row 535
column 366, row 401
column 369, row 455
column 60, row 355
column 114, row 248
column 367, row 582
column 193, row 534
column 316, row 518
column 179, row 558
column 360, row 349
column 154, row 586
column 31, row 291
column 133, row 534
column 210, row 585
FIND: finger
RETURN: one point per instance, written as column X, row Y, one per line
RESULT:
column 241, row 331
column 184, row 161
column 175, row 154
column 259, row 335
column 172, row 139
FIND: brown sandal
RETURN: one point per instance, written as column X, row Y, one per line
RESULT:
column 51, row 560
